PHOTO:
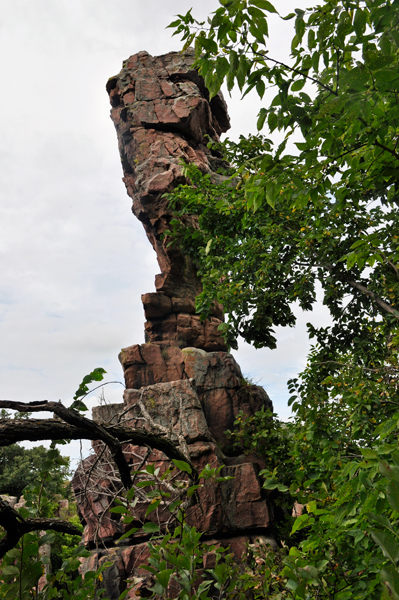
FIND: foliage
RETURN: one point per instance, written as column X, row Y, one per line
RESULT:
column 68, row 584
column 184, row 556
column 316, row 211
column 331, row 468
column 64, row 545
column 23, row 567
column 386, row 534
column 174, row 491
column 177, row 552
column 327, row 212
column 262, row 434
column 83, row 389
column 21, row 467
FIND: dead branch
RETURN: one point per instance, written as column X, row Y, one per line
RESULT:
column 16, row 526
column 13, row 430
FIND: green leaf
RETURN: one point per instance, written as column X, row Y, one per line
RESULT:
column 315, row 61
column 174, row 23
column 208, row 44
column 271, row 121
column 242, row 71
column 191, row 490
column 128, row 534
column 164, row 577
column 393, row 494
column 260, row 88
column 311, row 39
column 204, row 587
column 301, row 522
column 146, row 483
column 119, row 510
column 298, row 85
column 270, row 194
column 222, row 66
column 224, row 29
column 183, row 466
column 385, row 45
column 48, row 538
column 390, row 471
column 150, row 527
column 360, row 21
column 390, row 579
column 381, row 520
column 261, row 118
column 264, row 5
column 10, row 570
column 388, row 544
column 368, row 453
column 385, row 428
column 153, row 506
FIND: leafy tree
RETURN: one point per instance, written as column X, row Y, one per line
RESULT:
column 327, row 212
column 21, row 467
column 319, row 208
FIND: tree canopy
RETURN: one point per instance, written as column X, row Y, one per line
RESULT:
column 326, row 208
column 316, row 210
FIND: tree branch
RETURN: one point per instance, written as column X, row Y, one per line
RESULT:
column 72, row 417
column 297, row 71
column 362, row 288
column 12, row 430
column 395, row 154
column 381, row 303
column 16, row 526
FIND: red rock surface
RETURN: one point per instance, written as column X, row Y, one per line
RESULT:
column 184, row 376
column 162, row 115
column 219, row 383
column 188, row 406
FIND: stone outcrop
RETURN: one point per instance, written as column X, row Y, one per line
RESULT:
column 219, row 383
column 183, row 375
column 163, row 117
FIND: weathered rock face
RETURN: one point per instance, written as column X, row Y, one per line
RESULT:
column 162, row 113
column 219, row 383
column 183, row 376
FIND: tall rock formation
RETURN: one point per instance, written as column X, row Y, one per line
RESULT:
column 183, row 373
column 162, row 115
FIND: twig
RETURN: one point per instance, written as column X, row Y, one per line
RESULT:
column 297, row 71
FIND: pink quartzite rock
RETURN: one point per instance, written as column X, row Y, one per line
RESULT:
column 219, row 383
column 235, row 505
column 162, row 114
column 188, row 383
column 174, row 404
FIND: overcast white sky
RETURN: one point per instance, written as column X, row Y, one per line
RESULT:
column 74, row 261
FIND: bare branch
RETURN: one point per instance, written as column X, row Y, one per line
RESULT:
column 12, row 431
column 72, row 417
column 15, row 526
